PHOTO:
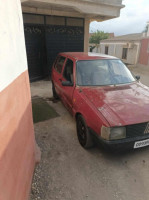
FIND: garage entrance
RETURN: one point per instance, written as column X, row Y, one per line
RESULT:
column 46, row 36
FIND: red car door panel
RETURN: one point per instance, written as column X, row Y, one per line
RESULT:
column 57, row 74
column 67, row 91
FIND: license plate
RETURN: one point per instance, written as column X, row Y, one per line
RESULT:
column 142, row 143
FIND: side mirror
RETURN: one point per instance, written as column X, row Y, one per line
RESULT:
column 137, row 77
column 67, row 83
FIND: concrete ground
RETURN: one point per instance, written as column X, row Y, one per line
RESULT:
column 68, row 172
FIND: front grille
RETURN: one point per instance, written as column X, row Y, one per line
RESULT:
column 137, row 129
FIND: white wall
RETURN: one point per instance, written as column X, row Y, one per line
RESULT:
column 116, row 49
column 132, row 55
column 12, row 46
column 112, row 50
column 102, row 48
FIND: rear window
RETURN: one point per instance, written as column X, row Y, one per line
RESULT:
column 59, row 64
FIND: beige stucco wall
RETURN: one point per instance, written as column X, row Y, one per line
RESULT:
column 132, row 55
column 112, row 49
column 102, row 48
column 116, row 49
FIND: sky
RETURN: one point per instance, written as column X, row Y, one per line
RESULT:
column 132, row 19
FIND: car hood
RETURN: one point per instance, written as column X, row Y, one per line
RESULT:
column 120, row 105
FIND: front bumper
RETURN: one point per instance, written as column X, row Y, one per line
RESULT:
column 122, row 144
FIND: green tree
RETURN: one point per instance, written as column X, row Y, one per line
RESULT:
column 97, row 36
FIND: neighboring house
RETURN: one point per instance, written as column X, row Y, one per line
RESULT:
column 125, row 47
column 132, row 48
column 60, row 26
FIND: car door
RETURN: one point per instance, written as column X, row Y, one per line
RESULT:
column 67, row 91
column 57, row 74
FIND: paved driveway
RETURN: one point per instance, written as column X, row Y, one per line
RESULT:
column 68, row 172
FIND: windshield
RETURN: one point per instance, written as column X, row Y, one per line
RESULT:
column 102, row 72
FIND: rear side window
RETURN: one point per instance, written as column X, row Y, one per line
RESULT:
column 68, row 71
column 59, row 64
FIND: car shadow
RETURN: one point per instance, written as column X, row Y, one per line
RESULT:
column 118, row 155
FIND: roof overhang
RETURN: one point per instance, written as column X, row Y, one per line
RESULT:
column 98, row 10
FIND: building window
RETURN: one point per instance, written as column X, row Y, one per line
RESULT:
column 124, row 54
column 106, row 50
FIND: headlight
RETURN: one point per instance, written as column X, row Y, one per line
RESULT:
column 115, row 133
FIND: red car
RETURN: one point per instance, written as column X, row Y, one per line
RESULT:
column 107, row 101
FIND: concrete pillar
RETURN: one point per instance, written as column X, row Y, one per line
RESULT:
column 86, row 34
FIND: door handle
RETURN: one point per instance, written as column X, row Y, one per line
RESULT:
column 60, row 79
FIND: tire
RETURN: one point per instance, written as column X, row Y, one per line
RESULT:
column 55, row 96
column 83, row 133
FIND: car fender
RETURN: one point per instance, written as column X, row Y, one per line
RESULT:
column 81, row 105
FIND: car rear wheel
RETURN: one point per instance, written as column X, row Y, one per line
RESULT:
column 84, row 136
column 55, row 96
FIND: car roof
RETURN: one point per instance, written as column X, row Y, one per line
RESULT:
column 87, row 56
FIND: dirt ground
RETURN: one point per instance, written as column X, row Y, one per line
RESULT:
column 68, row 172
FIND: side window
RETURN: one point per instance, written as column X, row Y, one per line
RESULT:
column 68, row 71
column 59, row 64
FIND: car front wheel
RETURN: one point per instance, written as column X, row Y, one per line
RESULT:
column 84, row 136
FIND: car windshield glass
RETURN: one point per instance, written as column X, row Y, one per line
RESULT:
column 102, row 72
